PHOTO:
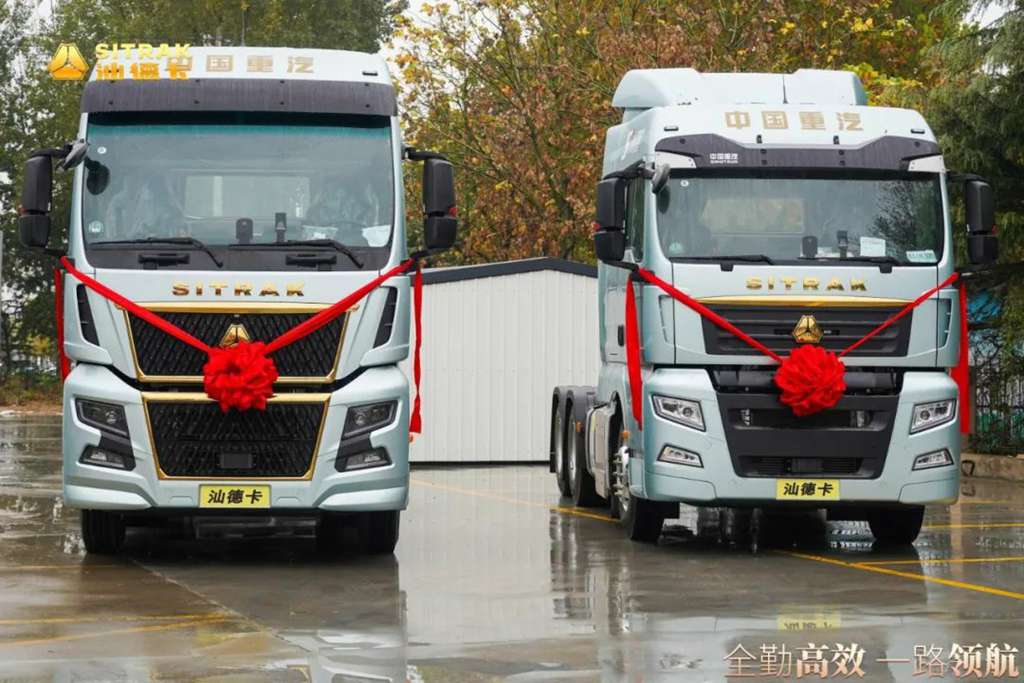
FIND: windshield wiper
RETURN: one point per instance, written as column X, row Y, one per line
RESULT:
column 186, row 241
column 753, row 258
column 321, row 242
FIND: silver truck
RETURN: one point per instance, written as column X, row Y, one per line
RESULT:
column 794, row 211
column 237, row 192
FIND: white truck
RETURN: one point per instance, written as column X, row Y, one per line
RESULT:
column 790, row 209
column 236, row 192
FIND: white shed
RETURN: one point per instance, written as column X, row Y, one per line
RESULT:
column 497, row 339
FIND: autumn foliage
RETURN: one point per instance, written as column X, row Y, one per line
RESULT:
column 518, row 93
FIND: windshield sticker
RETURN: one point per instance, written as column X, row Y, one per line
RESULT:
column 872, row 246
column 921, row 256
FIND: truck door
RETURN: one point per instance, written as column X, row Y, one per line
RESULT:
column 615, row 279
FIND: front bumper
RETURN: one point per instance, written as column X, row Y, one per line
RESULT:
column 101, row 488
column 718, row 483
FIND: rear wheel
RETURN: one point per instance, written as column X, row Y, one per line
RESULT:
column 896, row 526
column 584, row 492
column 379, row 531
column 102, row 531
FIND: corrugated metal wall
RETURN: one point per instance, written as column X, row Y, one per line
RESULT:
column 493, row 350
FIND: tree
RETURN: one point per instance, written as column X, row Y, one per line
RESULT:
column 518, row 92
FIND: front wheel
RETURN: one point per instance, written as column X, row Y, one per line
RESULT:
column 896, row 526
column 380, row 531
column 102, row 531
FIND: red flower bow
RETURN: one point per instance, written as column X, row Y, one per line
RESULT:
column 811, row 380
column 241, row 376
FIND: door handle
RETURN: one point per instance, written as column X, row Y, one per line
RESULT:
column 621, row 333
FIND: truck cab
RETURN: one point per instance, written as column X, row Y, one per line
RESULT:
column 237, row 192
column 790, row 208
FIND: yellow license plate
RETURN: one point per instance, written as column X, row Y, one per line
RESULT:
column 233, row 496
column 807, row 489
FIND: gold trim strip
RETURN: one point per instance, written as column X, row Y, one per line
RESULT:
column 217, row 307
column 199, row 397
column 805, row 301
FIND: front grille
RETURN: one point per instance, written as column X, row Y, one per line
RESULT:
column 765, row 439
column 198, row 440
column 754, row 466
column 773, row 327
column 160, row 354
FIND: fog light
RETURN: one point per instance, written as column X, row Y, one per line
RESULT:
column 102, row 457
column 934, row 459
column 746, row 417
column 678, row 456
column 860, row 418
column 378, row 457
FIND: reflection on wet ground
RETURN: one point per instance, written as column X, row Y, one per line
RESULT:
column 494, row 579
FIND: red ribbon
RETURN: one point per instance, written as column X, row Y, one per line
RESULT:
column 242, row 376
column 810, row 378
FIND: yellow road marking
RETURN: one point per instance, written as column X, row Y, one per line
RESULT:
column 50, row 567
column 516, row 501
column 117, row 617
column 907, row 575
column 951, row 560
column 984, row 525
column 116, row 632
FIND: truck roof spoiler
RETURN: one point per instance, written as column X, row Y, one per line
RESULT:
column 647, row 88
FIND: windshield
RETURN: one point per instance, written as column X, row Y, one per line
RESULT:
column 789, row 218
column 318, row 177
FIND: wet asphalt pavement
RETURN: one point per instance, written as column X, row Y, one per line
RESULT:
column 494, row 579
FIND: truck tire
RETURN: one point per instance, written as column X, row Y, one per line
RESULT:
column 379, row 531
column 558, row 464
column 896, row 526
column 643, row 519
column 584, row 491
column 102, row 531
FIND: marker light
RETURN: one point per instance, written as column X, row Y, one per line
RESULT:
column 679, row 410
column 678, row 456
column 928, row 415
column 934, row 459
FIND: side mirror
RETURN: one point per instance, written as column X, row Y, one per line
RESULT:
column 982, row 243
column 611, row 204
column 439, row 223
column 980, row 207
column 36, row 196
column 610, row 245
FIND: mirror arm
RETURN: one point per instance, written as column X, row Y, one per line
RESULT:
column 414, row 154
column 959, row 177
column 635, row 170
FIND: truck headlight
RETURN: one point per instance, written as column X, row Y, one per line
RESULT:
column 107, row 417
column 933, row 414
column 366, row 418
column 680, row 411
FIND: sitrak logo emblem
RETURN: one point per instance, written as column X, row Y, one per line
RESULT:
column 67, row 63
column 807, row 330
column 235, row 334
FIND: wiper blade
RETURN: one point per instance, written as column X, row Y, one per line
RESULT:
column 862, row 259
column 187, row 241
column 321, row 242
column 753, row 258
